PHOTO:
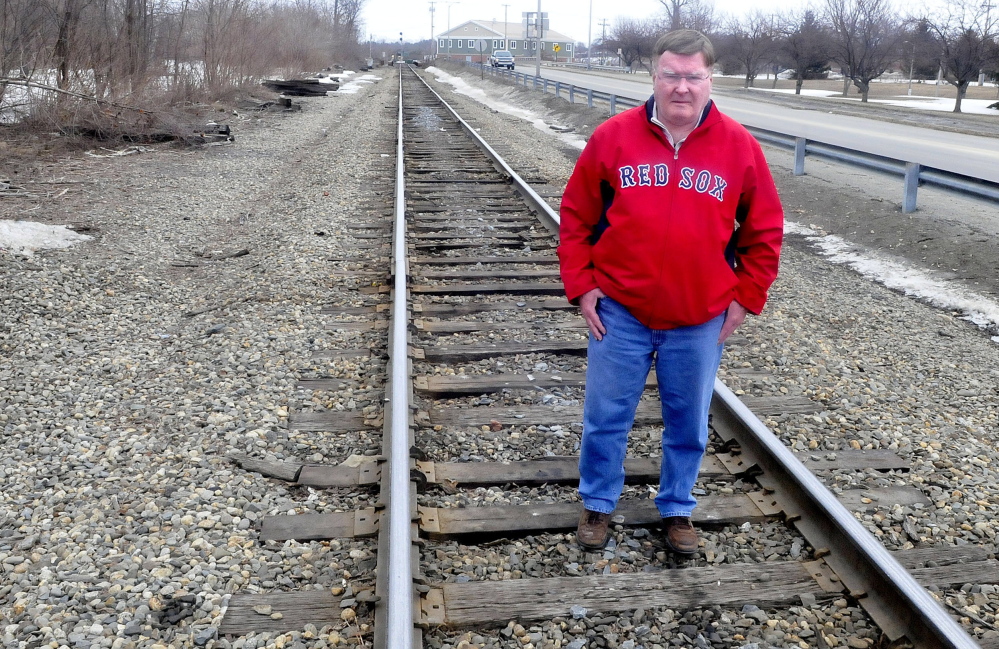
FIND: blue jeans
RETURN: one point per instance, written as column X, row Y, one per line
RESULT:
column 686, row 361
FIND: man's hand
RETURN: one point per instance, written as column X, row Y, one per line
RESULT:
column 588, row 305
column 734, row 317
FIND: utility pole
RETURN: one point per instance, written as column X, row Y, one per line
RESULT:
column 432, row 39
column 589, row 39
column 537, row 64
column 987, row 6
column 912, row 63
column 604, row 23
column 506, row 46
column 448, row 34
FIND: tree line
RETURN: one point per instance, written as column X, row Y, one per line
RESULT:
column 156, row 52
column 862, row 39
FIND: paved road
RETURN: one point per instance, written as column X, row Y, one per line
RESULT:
column 965, row 154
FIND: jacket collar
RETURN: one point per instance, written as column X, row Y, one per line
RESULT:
column 650, row 111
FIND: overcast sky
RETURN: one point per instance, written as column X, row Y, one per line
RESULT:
column 384, row 19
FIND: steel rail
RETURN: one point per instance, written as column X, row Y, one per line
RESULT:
column 399, row 617
column 886, row 590
column 548, row 216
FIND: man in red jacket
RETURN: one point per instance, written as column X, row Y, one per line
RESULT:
column 671, row 230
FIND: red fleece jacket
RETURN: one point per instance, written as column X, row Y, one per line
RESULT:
column 673, row 235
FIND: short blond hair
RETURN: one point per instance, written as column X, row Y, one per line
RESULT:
column 686, row 41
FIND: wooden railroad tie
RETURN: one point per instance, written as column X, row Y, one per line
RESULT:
column 451, row 310
column 482, row 288
column 462, row 326
column 478, row 275
column 478, row 225
column 491, row 603
column 557, row 470
column 461, row 353
column 474, row 261
column 448, row 523
column 767, row 585
column 649, row 412
column 440, row 524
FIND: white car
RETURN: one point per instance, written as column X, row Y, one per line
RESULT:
column 501, row 59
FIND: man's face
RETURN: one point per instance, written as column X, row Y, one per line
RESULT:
column 682, row 87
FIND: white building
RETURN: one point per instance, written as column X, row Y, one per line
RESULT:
column 475, row 40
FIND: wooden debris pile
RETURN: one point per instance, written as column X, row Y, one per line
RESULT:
column 301, row 87
column 7, row 188
column 212, row 132
column 282, row 105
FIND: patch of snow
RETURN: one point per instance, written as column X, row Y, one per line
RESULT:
column 28, row 237
column 463, row 88
column 351, row 87
column 945, row 104
column 805, row 92
column 899, row 275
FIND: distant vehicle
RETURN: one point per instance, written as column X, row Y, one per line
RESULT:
column 501, row 59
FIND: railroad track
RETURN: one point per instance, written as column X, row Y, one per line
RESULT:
column 486, row 359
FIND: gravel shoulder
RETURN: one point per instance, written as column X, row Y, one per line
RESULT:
column 132, row 365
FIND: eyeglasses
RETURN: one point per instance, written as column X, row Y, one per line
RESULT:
column 674, row 79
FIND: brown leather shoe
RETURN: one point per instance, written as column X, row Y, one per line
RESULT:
column 591, row 534
column 680, row 535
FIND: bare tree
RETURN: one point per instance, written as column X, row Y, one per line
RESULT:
column 805, row 44
column 751, row 42
column 689, row 14
column 21, row 22
column 20, row 51
column 156, row 52
column 137, row 39
column 66, row 15
column 962, row 34
column 115, row 43
column 919, row 53
column 636, row 41
column 866, row 34
column 178, row 39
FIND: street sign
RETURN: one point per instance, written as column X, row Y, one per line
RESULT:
column 531, row 23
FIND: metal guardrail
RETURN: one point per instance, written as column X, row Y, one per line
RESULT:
column 592, row 66
column 913, row 173
column 558, row 87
